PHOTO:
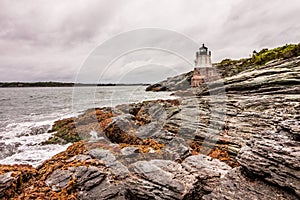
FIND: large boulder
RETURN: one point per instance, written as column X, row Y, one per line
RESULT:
column 92, row 182
column 122, row 129
column 165, row 179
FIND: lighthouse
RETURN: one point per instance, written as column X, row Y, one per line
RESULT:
column 203, row 71
column 203, row 57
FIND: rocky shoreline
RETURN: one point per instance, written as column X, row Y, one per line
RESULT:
column 204, row 145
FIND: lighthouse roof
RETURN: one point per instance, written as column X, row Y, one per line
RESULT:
column 203, row 47
column 203, row 50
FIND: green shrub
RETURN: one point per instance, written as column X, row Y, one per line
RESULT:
column 283, row 52
column 228, row 67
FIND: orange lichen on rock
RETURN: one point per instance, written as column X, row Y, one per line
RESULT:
column 153, row 144
column 219, row 154
column 28, row 169
column 198, row 148
column 145, row 146
column 195, row 148
column 223, row 155
column 76, row 163
column 93, row 115
column 104, row 123
column 103, row 115
column 20, row 175
column 143, row 117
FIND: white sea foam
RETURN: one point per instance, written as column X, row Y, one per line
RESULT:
column 27, row 138
column 34, row 155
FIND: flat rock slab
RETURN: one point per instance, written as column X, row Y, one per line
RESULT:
column 236, row 186
column 275, row 156
column 165, row 179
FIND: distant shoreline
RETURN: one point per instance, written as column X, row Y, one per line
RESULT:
column 61, row 84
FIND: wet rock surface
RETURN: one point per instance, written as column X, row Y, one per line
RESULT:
column 166, row 179
column 8, row 149
column 275, row 156
column 235, row 185
column 110, row 161
column 236, row 139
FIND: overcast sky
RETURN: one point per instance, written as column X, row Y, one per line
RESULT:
column 51, row 40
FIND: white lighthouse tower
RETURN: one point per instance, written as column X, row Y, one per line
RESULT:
column 203, row 57
column 203, row 70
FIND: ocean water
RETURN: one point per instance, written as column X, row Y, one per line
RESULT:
column 26, row 114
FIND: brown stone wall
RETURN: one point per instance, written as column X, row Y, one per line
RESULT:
column 202, row 75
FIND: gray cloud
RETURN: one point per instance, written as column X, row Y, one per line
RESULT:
column 49, row 40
